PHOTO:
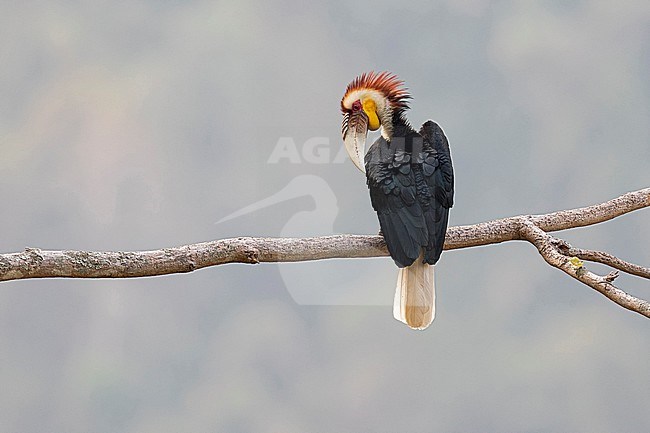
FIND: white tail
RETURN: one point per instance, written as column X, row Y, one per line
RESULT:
column 415, row 295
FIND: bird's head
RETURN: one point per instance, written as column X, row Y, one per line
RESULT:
column 370, row 102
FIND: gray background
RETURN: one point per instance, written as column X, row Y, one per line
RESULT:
column 138, row 125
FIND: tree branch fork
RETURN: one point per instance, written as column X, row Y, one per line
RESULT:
column 36, row 263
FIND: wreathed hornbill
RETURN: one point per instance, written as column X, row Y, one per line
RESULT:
column 411, row 181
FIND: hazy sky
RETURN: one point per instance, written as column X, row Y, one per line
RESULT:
column 139, row 125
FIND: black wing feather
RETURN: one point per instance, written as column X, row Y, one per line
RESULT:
column 412, row 190
column 441, row 183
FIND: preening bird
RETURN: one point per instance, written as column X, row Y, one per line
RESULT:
column 411, row 181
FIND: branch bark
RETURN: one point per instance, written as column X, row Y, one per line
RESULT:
column 547, row 247
column 605, row 259
column 36, row 263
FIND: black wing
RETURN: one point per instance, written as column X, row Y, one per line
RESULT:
column 439, row 175
column 406, row 183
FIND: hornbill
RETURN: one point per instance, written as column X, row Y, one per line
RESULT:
column 411, row 181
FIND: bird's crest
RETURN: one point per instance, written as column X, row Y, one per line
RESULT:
column 391, row 87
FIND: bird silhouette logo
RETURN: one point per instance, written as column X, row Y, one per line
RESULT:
column 323, row 282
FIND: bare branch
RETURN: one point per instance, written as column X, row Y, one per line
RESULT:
column 35, row 263
column 507, row 229
column 545, row 245
column 605, row 259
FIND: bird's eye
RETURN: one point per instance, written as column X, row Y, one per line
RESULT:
column 356, row 106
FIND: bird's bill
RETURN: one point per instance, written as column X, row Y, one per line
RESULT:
column 355, row 131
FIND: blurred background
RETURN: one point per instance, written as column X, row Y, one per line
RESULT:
column 140, row 125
